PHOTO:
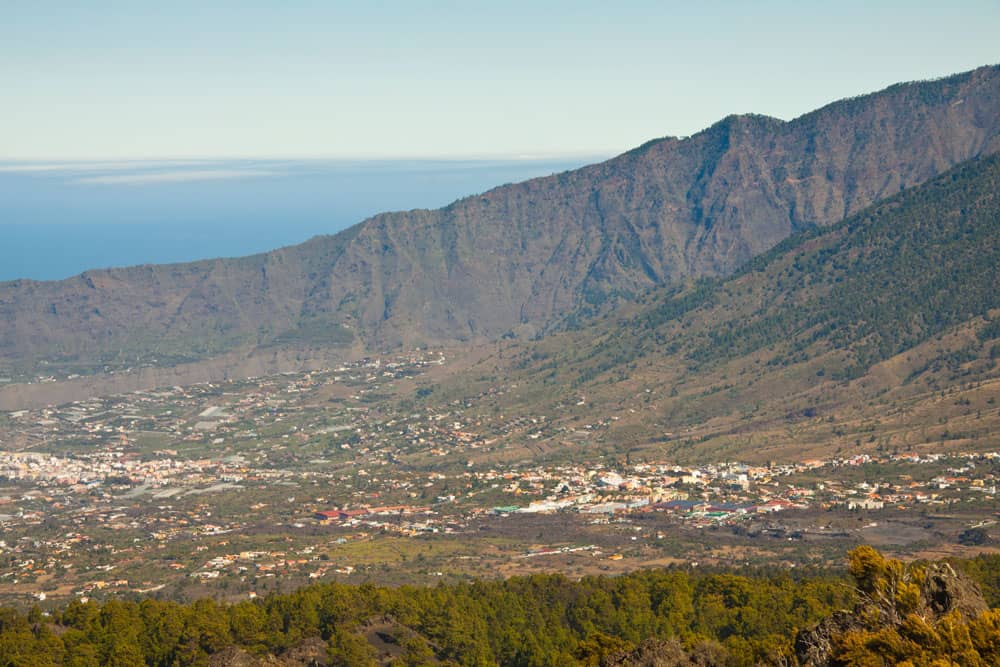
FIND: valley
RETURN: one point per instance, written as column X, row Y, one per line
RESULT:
column 764, row 418
column 615, row 402
column 248, row 487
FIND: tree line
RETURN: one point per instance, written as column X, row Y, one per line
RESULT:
column 745, row 618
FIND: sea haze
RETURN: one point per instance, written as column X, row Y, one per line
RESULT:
column 58, row 219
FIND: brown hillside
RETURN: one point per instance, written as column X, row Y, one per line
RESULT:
column 521, row 257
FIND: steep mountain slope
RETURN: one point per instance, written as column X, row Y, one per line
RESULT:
column 521, row 257
column 882, row 331
column 872, row 287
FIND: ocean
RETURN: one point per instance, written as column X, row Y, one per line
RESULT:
column 58, row 219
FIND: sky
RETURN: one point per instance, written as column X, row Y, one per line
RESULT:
column 110, row 80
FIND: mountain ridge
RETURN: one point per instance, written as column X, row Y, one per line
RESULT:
column 847, row 338
column 517, row 259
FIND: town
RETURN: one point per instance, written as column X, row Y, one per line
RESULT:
column 239, row 488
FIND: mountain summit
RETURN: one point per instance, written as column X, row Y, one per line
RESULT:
column 519, row 258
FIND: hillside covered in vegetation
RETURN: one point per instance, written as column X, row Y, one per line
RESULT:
column 880, row 332
column 520, row 257
column 917, row 612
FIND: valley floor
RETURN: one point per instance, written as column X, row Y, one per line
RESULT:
column 358, row 472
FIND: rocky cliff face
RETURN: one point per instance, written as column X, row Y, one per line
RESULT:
column 942, row 599
column 520, row 257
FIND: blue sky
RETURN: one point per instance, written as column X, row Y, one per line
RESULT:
column 134, row 79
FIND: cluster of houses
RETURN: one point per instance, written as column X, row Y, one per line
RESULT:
column 726, row 492
column 104, row 482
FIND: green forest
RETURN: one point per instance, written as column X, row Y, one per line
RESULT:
column 709, row 618
column 872, row 286
column 866, row 284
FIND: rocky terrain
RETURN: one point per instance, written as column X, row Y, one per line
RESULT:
column 898, row 604
column 520, row 258
column 878, row 333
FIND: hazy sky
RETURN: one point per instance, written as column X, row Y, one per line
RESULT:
column 109, row 79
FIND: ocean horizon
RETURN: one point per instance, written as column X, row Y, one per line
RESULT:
column 58, row 219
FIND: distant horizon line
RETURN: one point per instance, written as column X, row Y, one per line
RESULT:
column 472, row 157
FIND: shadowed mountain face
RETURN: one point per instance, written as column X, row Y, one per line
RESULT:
column 521, row 257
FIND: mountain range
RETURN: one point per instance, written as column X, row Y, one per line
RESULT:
column 521, row 259
column 881, row 332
